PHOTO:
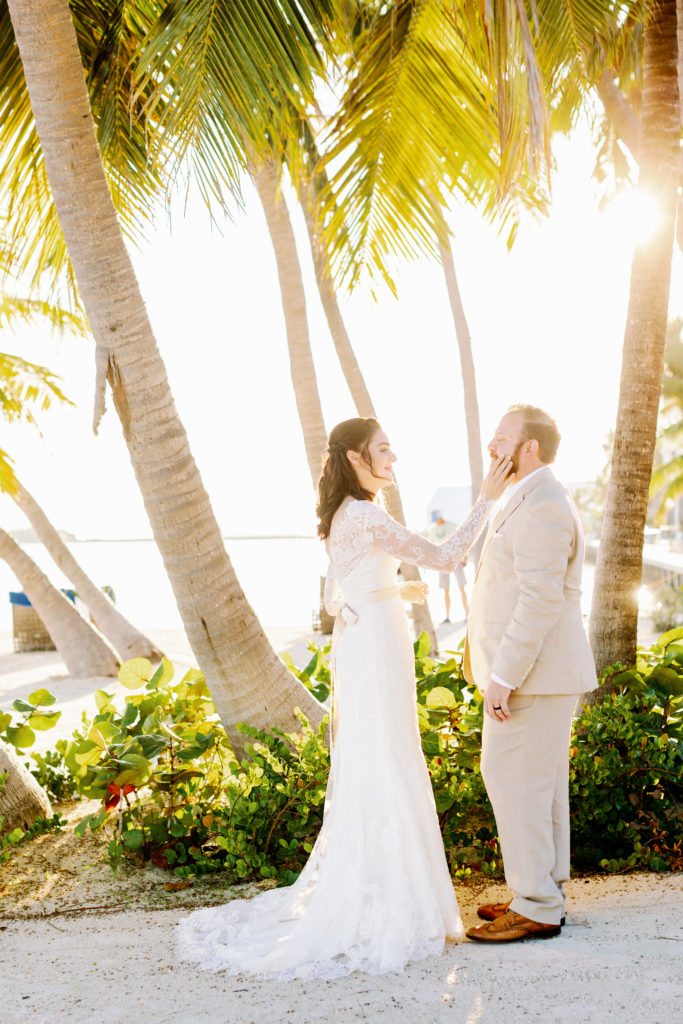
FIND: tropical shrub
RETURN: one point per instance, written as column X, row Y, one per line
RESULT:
column 178, row 796
column 173, row 791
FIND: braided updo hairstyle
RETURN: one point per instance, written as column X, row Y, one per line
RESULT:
column 338, row 479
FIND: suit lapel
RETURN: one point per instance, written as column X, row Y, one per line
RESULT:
column 508, row 509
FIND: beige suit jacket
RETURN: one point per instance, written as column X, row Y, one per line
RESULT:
column 525, row 620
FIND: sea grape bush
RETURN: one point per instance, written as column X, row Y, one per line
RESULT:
column 172, row 790
column 176, row 794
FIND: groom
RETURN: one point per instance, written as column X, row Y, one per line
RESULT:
column 528, row 653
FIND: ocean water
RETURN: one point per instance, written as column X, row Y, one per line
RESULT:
column 279, row 575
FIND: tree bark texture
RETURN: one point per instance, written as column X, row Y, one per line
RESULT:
column 614, row 612
column 21, row 798
column 83, row 650
column 469, row 381
column 422, row 620
column 124, row 637
column 247, row 680
column 268, row 185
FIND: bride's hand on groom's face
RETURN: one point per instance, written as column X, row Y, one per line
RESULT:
column 499, row 476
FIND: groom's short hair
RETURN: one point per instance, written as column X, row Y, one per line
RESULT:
column 539, row 426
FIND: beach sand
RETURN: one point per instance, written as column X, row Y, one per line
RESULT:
column 79, row 944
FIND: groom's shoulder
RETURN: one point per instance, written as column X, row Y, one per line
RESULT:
column 548, row 489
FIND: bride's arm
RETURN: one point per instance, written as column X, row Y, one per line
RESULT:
column 390, row 536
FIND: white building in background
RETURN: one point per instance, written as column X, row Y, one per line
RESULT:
column 452, row 502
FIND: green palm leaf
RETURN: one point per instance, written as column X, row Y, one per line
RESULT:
column 8, row 479
column 26, row 387
column 108, row 33
column 446, row 98
column 229, row 74
column 13, row 309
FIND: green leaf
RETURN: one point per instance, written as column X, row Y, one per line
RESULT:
column 422, row 646
column 162, row 676
column 135, row 672
column 667, row 638
column 21, row 705
column 137, row 770
column 103, row 700
column 440, row 697
column 103, row 732
column 24, row 737
column 193, row 675
column 46, row 721
column 42, row 697
column 133, row 839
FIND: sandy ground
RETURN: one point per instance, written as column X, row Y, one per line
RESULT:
column 618, row 958
column 78, row 944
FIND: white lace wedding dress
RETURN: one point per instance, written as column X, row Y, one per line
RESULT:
column 376, row 891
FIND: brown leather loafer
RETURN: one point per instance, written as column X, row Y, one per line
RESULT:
column 512, row 927
column 491, row 911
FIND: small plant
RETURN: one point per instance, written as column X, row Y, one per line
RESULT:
column 52, row 772
column 22, row 734
column 175, row 793
column 316, row 675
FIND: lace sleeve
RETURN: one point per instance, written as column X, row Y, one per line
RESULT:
column 397, row 540
column 332, row 597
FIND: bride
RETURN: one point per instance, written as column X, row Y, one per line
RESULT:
column 376, row 891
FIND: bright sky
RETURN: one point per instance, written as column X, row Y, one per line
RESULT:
column 547, row 322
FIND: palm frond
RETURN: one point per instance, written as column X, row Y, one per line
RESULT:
column 108, row 33
column 446, row 98
column 666, row 483
column 60, row 320
column 418, row 122
column 223, row 78
column 9, row 483
column 26, row 388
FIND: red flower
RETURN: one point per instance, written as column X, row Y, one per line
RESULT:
column 115, row 794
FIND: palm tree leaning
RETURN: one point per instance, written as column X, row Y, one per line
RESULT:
column 21, row 798
column 312, row 184
column 614, row 612
column 24, row 387
column 127, row 641
column 247, row 680
column 83, row 650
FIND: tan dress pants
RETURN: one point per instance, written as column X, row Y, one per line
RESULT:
column 525, row 767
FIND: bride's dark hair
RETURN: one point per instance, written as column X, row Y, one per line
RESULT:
column 338, row 479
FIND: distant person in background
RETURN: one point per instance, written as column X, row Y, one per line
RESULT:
column 440, row 531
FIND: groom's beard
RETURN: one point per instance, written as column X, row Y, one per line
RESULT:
column 515, row 459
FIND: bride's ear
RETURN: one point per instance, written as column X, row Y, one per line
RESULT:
column 353, row 457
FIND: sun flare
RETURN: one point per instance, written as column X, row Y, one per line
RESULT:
column 634, row 215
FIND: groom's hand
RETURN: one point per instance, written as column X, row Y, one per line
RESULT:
column 496, row 701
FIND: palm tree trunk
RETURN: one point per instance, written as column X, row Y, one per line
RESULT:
column 469, row 382
column 679, row 217
column 422, row 620
column 614, row 612
column 267, row 181
column 21, row 798
column 247, row 680
column 335, row 322
column 83, row 650
column 124, row 637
